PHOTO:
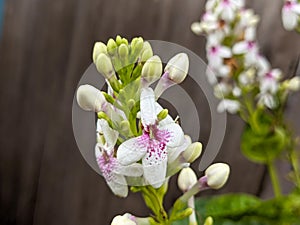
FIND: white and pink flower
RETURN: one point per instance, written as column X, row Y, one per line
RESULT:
column 155, row 144
column 290, row 14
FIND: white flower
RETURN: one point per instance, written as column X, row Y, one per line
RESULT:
column 123, row 220
column 270, row 81
column 90, row 98
column 247, row 47
column 186, row 179
column 113, row 172
column 209, row 22
column 268, row 100
column 158, row 139
column 216, row 53
column 247, row 18
column 217, row 175
column 290, row 14
column 231, row 106
column 226, row 9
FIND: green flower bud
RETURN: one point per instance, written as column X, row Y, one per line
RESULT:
column 209, row 221
column 137, row 45
column 146, row 52
column 119, row 40
column 217, row 175
column 111, row 47
column 104, row 66
column 99, row 47
column 152, row 70
column 123, row 51
column 178, row 67
column 186, row 179
column 162, row 114
column 130, row 103
column 192, row 152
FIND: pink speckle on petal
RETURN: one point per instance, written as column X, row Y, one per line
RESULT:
column 269, row 75
column 251, row 44
column 107, row 164
column 214, row 50
column 155, row 141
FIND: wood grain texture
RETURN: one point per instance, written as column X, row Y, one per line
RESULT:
column 45, row 48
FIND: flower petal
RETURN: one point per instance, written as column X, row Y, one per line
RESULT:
column 118, row 185
column 133, row 170
column 289, row 19
column 176, row 134
column 155, row 173
column 131, row 151
column 173, row 153
column 224, row 52
column 240, row 48
column 110, row 135
column 147, row 105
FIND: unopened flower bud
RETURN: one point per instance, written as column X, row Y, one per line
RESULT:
column 147, row 52
column 192, row 152
column 90, row 98
column 293, row 84
column 137, row 45
column 122, row 220
column 152, row 70
column 162, row 114
column 209, row 221
column 99, row 47
column 196, row 28
column 111, row 46
column 186, row 179
column 123, row 51
column 217, row 175
column 178, row 67
column 104, row 66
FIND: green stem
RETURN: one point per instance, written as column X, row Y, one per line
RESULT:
column 274, row 179
column 295, row 165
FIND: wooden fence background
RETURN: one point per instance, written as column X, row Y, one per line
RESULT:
column 45, row 48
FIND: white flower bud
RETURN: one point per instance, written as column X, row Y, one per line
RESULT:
column 99, row 47
column 122, row 220
column 186, row 179
column 152, row 70
column 293, row 84
column 178, row 67
column 192, row 152
column 104, row 66
column 217, row 175
column 90, row 98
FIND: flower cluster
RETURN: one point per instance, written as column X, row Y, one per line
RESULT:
column 137, row 140
column 138, row 143
column 235, row 66
column 291, row 15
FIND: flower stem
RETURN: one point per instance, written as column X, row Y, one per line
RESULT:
column 274, row 179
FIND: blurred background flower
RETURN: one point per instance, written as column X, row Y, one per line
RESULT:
column 44, row 50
